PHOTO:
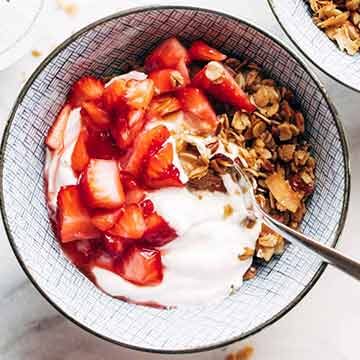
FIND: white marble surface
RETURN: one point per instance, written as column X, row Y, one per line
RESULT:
column 323, row 326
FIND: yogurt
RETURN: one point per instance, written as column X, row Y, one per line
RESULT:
column 201, row 265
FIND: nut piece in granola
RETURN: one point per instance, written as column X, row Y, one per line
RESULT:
column 283, row 193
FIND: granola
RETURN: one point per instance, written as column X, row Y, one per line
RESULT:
column 267, row 144
column 340, row 19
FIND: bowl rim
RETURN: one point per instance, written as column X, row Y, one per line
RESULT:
column 134, row 10
column 302, row 50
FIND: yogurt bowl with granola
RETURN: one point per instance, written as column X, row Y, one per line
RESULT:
column 140, row 232
column 140, row 178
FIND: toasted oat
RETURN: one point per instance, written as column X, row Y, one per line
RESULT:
column 283, row 193
column 246, row 254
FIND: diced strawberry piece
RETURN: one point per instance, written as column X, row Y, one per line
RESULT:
column 160, row 171
column 55, row 136
column 73, row 219
column 127, row 125
column 146, row 144
column 160, row 162
column 105, row 219
column 201, row 51
column 115, row 245
column 166, row 80
column 161, row 106
column 215, row 80
column 98, row 116
column 184, row 71
column 141, row 266
column 114, row 94
column 87, row 88
column 169, row 54
column 134, row 196
column 197, row 107
column 130, row 224
column 101, row 185
column 139, row 93
column 105, row 260
column 100, row 145
column 121, row 94
column 158, row 231
column 128, row 181
column 80, row 252
column 80, row 157
column 147, row 207
column 166, row 55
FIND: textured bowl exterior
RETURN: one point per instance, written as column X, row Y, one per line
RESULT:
column 295, row 18
column 108, row 47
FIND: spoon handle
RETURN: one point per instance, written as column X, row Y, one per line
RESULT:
column 328, row 254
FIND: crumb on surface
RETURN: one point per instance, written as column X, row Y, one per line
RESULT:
column 228, row 210
column 68, row 7
column 36, row 53
column 246, row 353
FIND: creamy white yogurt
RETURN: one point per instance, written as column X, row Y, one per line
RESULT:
column 202, row 264
column 58, row 170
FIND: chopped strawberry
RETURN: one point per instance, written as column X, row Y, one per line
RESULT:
column 197, row 107
column 73, row 219
column 160, row 162
column 130, row 224
column 114, row 94
column 160, row 171
column 147, row 207
column 80, row 157
column 55, row 136
column 128, row 181
column 158, row 231
column 146, row 144
column 100, row 145
column 127, row 126
column 98, row 116
column 105, row 219
column 104, row 260
column 141, row 266
column 80, row 251
column 115, row 245
column 121, row 94
column 139, row 93
column 166, row 80
column 215, row 80
column 169, row 54
column 134, row 196
column 87, row 88
column 161, row 106
column 201, row 51
column 184, row 71
column 101, row 185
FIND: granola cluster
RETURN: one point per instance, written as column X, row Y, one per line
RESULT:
column 267, row 144
column 340, row 19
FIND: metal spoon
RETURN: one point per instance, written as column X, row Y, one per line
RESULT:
column 327, row 254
